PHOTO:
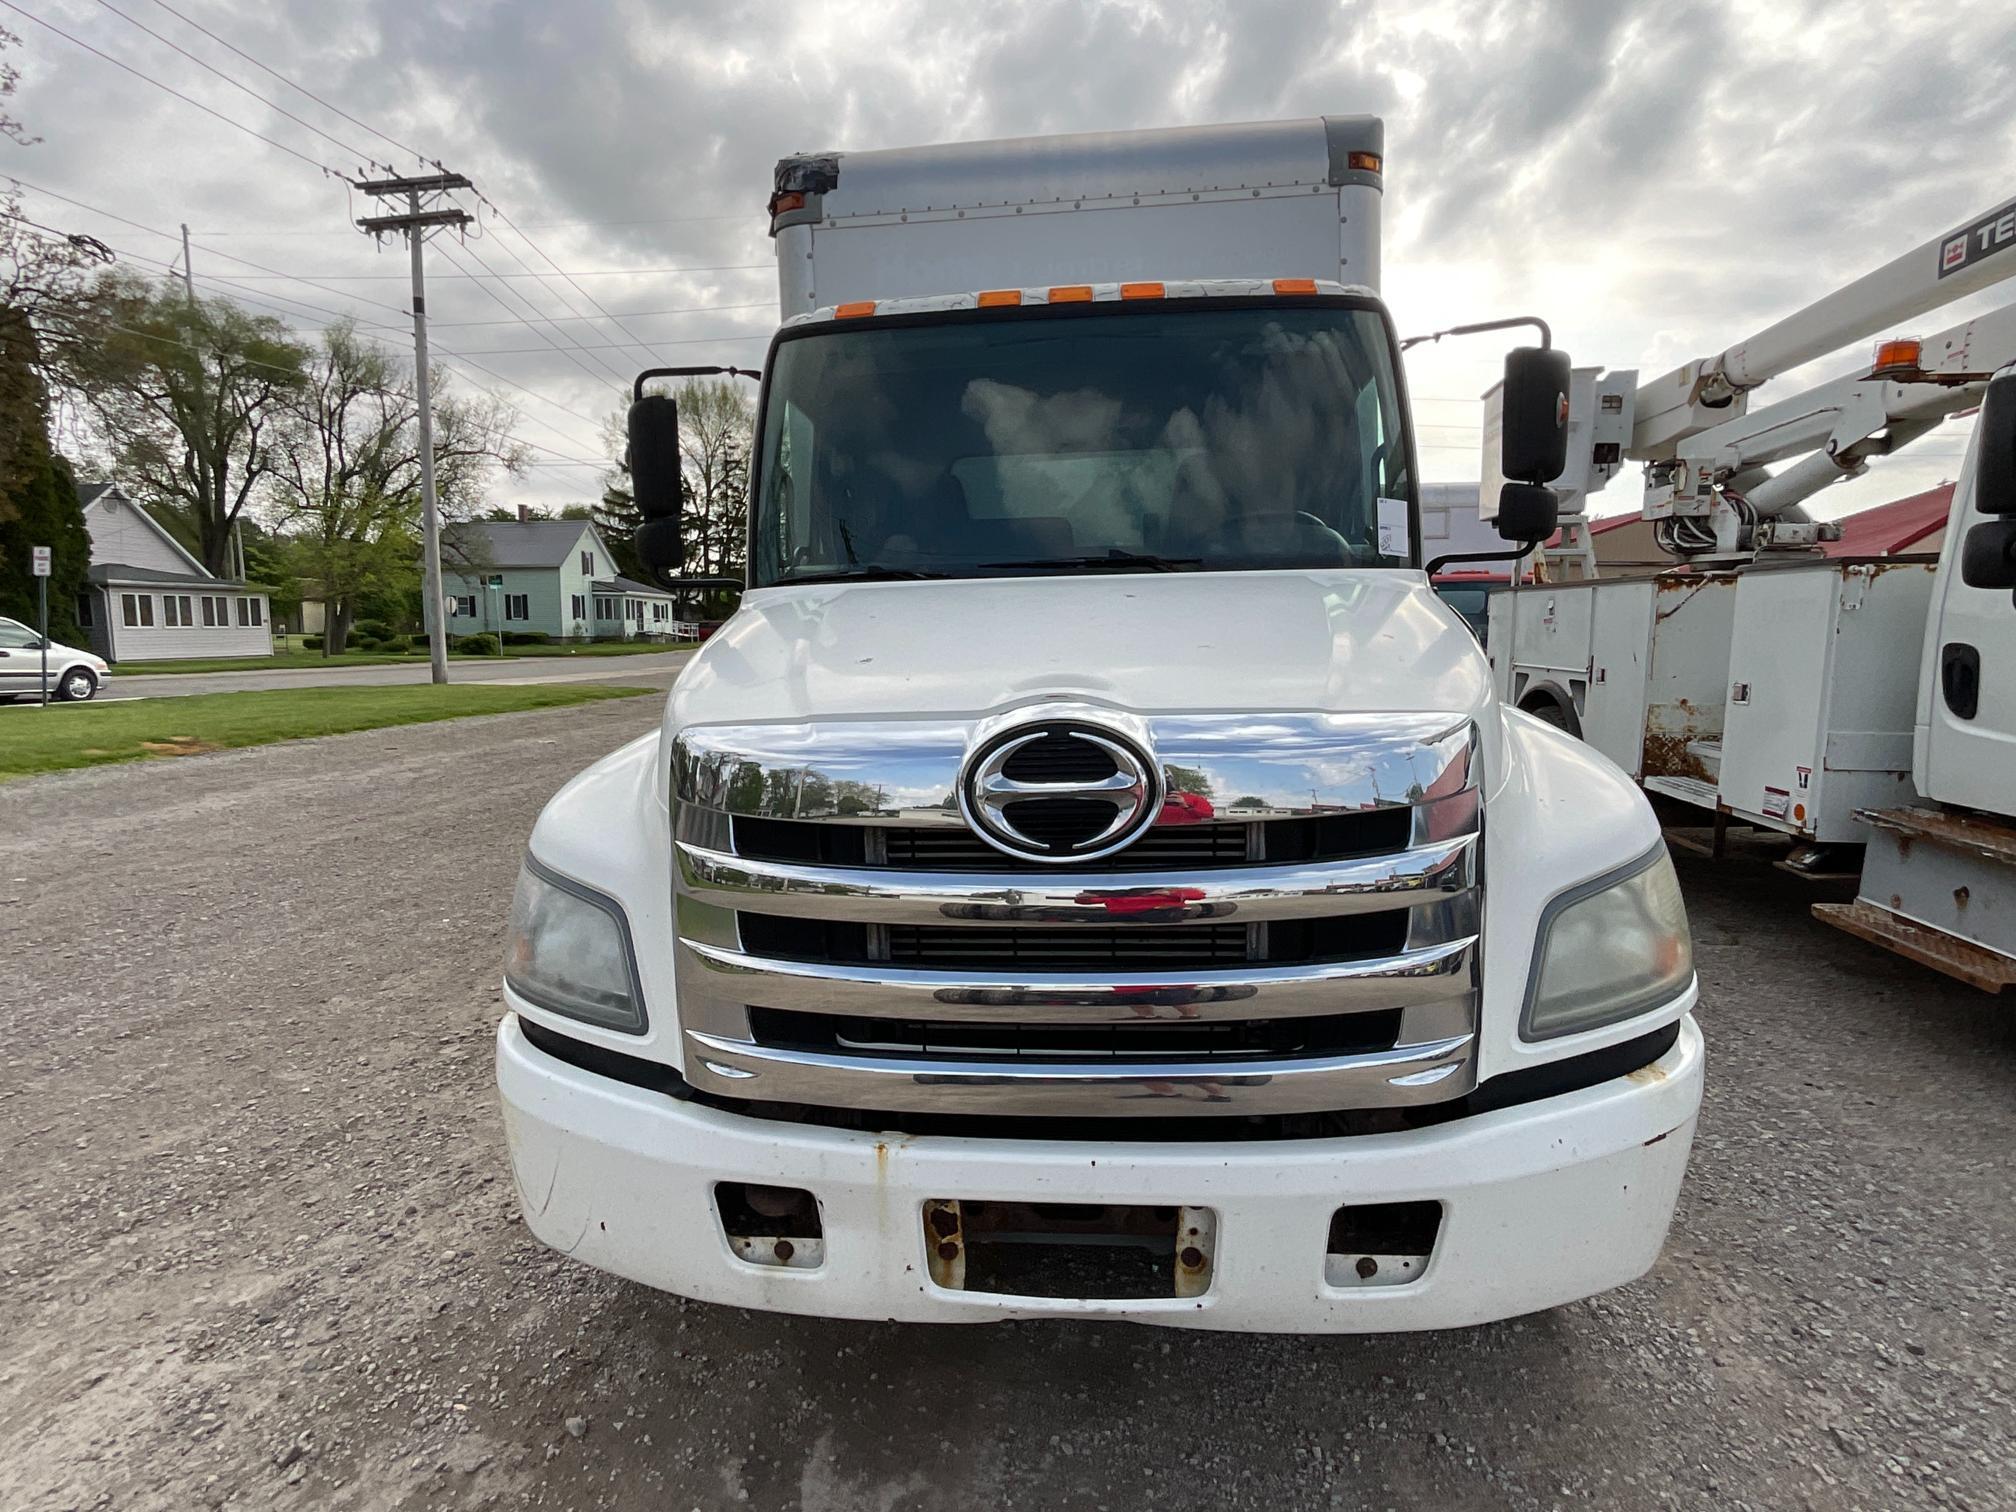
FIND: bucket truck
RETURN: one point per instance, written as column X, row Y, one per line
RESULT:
column 1844, row 702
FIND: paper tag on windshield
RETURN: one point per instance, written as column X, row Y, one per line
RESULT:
column 1393, row 535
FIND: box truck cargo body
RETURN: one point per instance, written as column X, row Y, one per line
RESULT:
column 1060, row 890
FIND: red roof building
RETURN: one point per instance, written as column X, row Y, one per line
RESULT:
column 1916, row 525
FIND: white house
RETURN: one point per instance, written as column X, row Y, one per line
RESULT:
column 149, row 600
column 556, row 577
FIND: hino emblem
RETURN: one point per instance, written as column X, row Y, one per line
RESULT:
column 1060, row 791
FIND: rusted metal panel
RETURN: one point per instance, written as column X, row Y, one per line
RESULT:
column 1991, row 840
column 1928, row 947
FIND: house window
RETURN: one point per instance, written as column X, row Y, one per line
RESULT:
column 587, row 564
column 659, row 613
column 605, row 608
column 258, row 610
column 176, row 610
column 209, row 611
column 136, row 609
column 517, row 606
column 84, row 611
column 462, row 606
column 223, row 608
column 580, row 607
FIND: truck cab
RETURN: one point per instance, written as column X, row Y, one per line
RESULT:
column 1092, row 874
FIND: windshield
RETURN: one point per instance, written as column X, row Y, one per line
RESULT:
column 1123, row 438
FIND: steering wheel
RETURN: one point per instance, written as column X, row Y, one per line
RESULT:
column 1287, row 535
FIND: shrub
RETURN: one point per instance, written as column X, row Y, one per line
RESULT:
column 418, row 642
column 371, row 630
column 477, row 645
column 311, row 643
column 527, row 638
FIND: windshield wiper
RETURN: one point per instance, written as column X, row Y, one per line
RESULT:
column 1115, row 560
column 865, row 574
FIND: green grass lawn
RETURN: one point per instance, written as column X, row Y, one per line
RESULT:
column 47, row 739
column 294, row 661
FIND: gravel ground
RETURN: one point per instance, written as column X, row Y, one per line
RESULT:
column 259, row 1246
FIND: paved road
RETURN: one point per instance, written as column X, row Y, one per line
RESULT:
column 258, row 1246
column 652, row 669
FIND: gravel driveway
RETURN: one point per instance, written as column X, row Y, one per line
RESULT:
column 258, row 1245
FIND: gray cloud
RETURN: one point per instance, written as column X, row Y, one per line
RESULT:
column 1706, row 166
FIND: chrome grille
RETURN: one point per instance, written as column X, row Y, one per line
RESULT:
column 847, row 942
column 1177, row 845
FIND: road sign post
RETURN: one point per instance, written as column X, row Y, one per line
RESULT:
column 40, row 556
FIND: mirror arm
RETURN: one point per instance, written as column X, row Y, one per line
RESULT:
column 1436, row 564
column 637, row 388
column 1546, row 332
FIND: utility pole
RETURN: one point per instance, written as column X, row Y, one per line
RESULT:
column 188, row 268
column 416, row 223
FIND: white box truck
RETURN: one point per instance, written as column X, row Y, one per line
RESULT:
column 1091, row 874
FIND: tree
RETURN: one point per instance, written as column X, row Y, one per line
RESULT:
column 616, row 518
column 716, row 424
column 346, row 472
column 41, row 285
column 41, row 509
column 188, row 399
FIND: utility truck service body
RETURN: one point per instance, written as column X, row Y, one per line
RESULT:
column 1850, row 704
column 1092, row 874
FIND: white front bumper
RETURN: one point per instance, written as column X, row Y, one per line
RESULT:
column 1543, row 1203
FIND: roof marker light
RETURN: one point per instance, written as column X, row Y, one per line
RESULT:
column 1141, row 291
column 1897, row 358
column 989, row 298
column 1071, row 294
column 854, row 309
column 1363, row 162
column 1294, row 286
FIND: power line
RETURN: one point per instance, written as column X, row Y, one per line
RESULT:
column 558, row 293
column 297, row 88
column 228, row 256
column 362, row 157
column 319, row 167
column 722, row 336
column 571, row 280
column 550, row 342
column 283, row 78
column 279, row 302
column 587, row 273
column 754, row 218
column 757, row 304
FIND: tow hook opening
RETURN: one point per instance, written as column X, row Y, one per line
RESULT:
column 769, row 1225
column 1381, row 1243
column 1076, row 1251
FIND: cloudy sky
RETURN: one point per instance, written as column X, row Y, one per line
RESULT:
column 1657, row 179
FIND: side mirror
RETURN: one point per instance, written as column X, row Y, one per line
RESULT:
column 1995, row 449
column 1527, row 512
column 1535, row 414
column 660, row 549
column 654, row 456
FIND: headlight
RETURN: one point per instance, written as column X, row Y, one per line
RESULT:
column 1610, row 949
column 569, row 952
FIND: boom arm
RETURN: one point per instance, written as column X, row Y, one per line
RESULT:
column 1706, row 452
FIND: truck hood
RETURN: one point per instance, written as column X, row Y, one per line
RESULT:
column 1326, row 641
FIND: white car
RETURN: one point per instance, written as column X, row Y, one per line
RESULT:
column 73, row 675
